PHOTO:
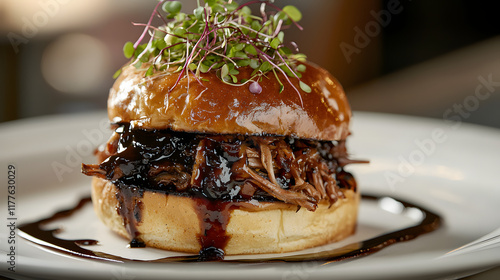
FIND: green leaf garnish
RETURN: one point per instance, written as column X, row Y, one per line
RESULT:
column 198, row 13
column 266, row 66
column 128, row 49
column 293, row 13
column 249, row 49
column 281, row 36
column 232, row 6
column 224, row 71
column 192, row 66
column 275, row 43
column 301, row 68
column 222, row 36
column 172, row 7
column 305, row 87
column 150, row 71
column 204, row 68
column 117, row 73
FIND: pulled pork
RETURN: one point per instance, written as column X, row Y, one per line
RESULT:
column 230, row 167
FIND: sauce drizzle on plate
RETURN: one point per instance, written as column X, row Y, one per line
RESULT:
column 35, row 233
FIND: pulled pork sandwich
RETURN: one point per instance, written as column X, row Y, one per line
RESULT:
column 225, row 153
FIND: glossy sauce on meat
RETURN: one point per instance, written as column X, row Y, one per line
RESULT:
column 205, row 165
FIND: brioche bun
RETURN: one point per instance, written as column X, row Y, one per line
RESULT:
column 171, row 222
column 212, row 106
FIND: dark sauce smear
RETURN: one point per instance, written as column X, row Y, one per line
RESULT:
column 35, row 233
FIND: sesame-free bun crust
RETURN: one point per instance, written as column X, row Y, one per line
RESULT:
column 209, row 105
column 170, row 222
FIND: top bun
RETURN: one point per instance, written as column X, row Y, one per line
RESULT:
column 208, row 105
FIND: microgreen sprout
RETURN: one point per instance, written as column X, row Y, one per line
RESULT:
column 220, row 36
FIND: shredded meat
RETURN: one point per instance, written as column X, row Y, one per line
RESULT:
column 301, row 172
column 295, row 197
column 171, row 174
column 313, row 179
column 198, row 161
column 93, row 170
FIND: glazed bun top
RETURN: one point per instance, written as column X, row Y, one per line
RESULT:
column 208, row 105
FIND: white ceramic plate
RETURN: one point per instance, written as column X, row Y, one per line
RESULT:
column 449, row 168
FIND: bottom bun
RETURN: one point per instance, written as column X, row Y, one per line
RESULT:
column 171, row 222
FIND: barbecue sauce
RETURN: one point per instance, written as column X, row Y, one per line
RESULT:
column 214, row 217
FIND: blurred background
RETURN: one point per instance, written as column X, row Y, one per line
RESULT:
column 437, row 59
